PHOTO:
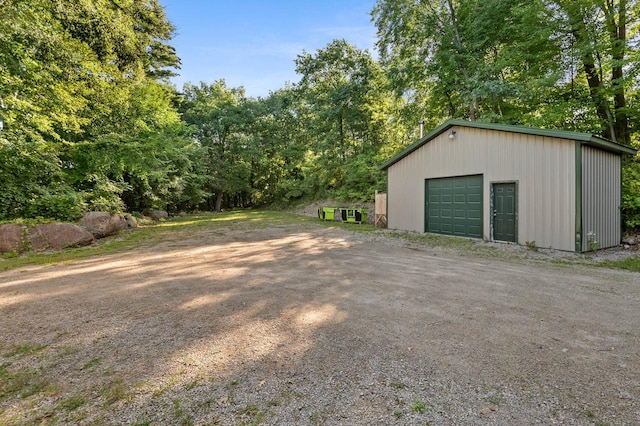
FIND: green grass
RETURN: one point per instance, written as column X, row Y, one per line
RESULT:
column 24, row 383
column 91, row 364
column 24, row 350
column 181, row 417
column 115, row 391
column 150, row 235
column 417, row 406
column 631, row 263
column 72, row 403
column 247, row 220
column 255, row 415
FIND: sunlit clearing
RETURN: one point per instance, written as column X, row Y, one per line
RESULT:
column 319, row 315
column 203, row 301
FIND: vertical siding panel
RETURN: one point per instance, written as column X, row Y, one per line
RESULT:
column 601, row 197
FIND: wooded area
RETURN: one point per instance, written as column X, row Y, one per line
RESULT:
column 91, row 121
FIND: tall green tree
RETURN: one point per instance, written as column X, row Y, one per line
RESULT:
column 562, row 63
column 467, row 58
column 598, row 33
column 76, row 76
column 346, row 105
column 279, row 146
column 220, row 117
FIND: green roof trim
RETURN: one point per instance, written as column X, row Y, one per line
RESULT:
column 584, row 138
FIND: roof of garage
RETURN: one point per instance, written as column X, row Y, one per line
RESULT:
column 586, row 138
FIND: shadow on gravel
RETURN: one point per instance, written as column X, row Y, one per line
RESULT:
column 274, row 326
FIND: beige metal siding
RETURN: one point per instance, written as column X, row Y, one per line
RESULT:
column 544, row 168
column 600, row 197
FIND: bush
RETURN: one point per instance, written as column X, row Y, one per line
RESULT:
column 631, row 193
column 67, row 206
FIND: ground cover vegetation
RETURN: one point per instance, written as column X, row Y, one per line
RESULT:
column 91, row 121
column 173, row 231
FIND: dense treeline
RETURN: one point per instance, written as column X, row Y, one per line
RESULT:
column 91, row 122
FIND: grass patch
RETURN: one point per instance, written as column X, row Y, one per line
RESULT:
column 254, row 414
column 115, row 391
column 23, row 383
column 10, row 254
column 91, row 364
column 24, row 350
column 417, row 406
column 247, row 220
column 182, row 418
column 631, row 263
column 72, row 403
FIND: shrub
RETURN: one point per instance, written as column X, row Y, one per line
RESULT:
column 631, row 193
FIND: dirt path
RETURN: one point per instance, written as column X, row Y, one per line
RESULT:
column 315, row 326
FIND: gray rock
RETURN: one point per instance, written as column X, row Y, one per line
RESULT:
column 632, row 241
column 58, row 235
column 131, row 221
column 103, row 224
column 158, row 214
column 11, row 236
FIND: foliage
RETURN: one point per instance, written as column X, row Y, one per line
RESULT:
column 564, row 64
column 467, row 59
column 346, row 108
column 88, row 124
column 91, row 122
column 219, row 117
column 631, row 193
column 631, row 263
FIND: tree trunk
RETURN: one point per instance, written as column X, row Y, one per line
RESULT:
column 618, row 34
column 218, row 201
column 473, row 104
column 616, row 123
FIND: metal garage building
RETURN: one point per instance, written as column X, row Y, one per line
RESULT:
column 558, row 189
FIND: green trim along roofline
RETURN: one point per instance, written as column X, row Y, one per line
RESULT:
column 583, row 138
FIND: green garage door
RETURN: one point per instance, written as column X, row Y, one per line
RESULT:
column 454, row 206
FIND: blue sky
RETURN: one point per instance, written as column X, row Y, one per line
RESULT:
column 254, row 43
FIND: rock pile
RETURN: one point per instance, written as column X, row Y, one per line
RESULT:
column 54, row 236
column 103, row 224
column 631, row 240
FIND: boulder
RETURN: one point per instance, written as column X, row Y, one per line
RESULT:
column 58, row 235
column 11, row 238
column 158, row 214
column 131, row 221
column 103, row 224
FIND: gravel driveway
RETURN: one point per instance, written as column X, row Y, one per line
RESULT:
column 316, row 325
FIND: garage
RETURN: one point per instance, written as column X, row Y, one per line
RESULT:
column 550, row 188
column 454, row 206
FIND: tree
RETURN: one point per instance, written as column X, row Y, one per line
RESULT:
column 596, row 31
column 515, row 61
column 466, row 58
column 77, row 79
column 278, row 147
column 346, row 107
column 219, row 117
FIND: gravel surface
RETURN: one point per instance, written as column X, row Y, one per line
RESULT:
column 310, row 325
